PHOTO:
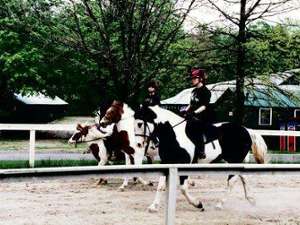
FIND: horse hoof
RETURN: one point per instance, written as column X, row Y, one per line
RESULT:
column 135, row 180
column 151, row 184
column 200, row 206
column 219, row 206
column 102, row 181
column 152, row 209
column 121, row 189
column 251, row 201
column 192, row 183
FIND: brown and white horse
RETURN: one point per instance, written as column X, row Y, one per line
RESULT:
column 106, row 145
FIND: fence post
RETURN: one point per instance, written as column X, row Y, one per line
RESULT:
column 171, row 196
column 32, row 148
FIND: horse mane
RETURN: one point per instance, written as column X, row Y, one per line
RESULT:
column 127, row 111
column 166, row 115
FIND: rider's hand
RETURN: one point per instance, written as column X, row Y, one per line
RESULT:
column 189, row 115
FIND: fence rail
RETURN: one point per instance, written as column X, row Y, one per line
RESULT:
column 171, row 171
column 32, row 128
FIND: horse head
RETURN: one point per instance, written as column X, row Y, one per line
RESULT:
column 88, row 133
column 113, row 114
column 79, row 134
column 145, row 114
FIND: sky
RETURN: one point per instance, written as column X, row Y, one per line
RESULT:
column 204, row 14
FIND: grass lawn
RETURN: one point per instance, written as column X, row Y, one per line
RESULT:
column 16, row 164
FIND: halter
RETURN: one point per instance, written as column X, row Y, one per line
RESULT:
column 89, row 127
column 146, row 127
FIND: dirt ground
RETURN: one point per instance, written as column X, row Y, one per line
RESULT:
column 78, row 201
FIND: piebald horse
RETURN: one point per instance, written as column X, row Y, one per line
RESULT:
column 232, row 145
column 122, row 116
column 106, row 145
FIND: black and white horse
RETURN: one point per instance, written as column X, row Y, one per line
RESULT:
column 232, row 144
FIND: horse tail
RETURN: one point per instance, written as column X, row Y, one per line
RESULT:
column 259, row 147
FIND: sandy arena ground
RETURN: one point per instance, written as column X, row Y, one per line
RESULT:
column 78, row 201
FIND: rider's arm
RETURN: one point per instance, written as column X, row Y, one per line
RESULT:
column 188, row 108
column 206, row 99
column 200, row 109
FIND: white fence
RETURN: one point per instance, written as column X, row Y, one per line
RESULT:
column 32, row 128
column 170, row 171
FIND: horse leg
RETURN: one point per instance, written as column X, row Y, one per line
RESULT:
column 251, row 200
column 231, row 180
column 125, row 181
column 160, row 188
column 99, row 152
column 191, row 182
column 184, row 186
column 138, row 160
column 102, row 154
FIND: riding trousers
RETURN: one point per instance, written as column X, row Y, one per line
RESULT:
column 194, row 130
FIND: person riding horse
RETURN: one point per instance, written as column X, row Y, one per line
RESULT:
column 153, row 97
column 197, row 114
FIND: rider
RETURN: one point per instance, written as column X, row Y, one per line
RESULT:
column 197, row 112
column 152, row 97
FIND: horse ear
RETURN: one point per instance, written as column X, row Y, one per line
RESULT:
column 79, row 127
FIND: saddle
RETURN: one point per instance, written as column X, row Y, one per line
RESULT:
column 210, row 133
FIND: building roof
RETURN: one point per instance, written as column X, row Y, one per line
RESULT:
column 39, row 99
column 257, row 94
column 183, row 97
column 280, row 78
column 264, row 97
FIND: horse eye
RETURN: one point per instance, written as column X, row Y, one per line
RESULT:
column 139, row 145
column 140, row 125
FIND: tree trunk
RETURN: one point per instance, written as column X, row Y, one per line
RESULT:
column 240, row 68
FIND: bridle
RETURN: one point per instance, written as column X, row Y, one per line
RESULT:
column 151, row 136
column 146, row 127
column 82, row 134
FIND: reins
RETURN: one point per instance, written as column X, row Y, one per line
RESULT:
column 179, row 123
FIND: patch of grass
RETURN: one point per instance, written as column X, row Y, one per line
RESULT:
column 14, row 164
column 17, row 164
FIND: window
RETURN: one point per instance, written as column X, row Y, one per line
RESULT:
column 297, row 113
column 265, row 117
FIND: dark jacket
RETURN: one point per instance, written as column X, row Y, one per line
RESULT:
column 201, row 97
column 152, row 100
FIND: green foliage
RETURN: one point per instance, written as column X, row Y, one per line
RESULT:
column 269, row 49
column 14, row 164
column 273, row 49
column 89, row 51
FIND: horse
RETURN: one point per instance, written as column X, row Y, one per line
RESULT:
column 105, row 143
column 231, row 144
column 106, row 146
column 125, row 140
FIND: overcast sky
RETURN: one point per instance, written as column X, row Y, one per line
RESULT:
column 204, row 14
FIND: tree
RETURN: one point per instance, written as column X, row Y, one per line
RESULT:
column 129, row 41
column 248, row 11
column 22, row 55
